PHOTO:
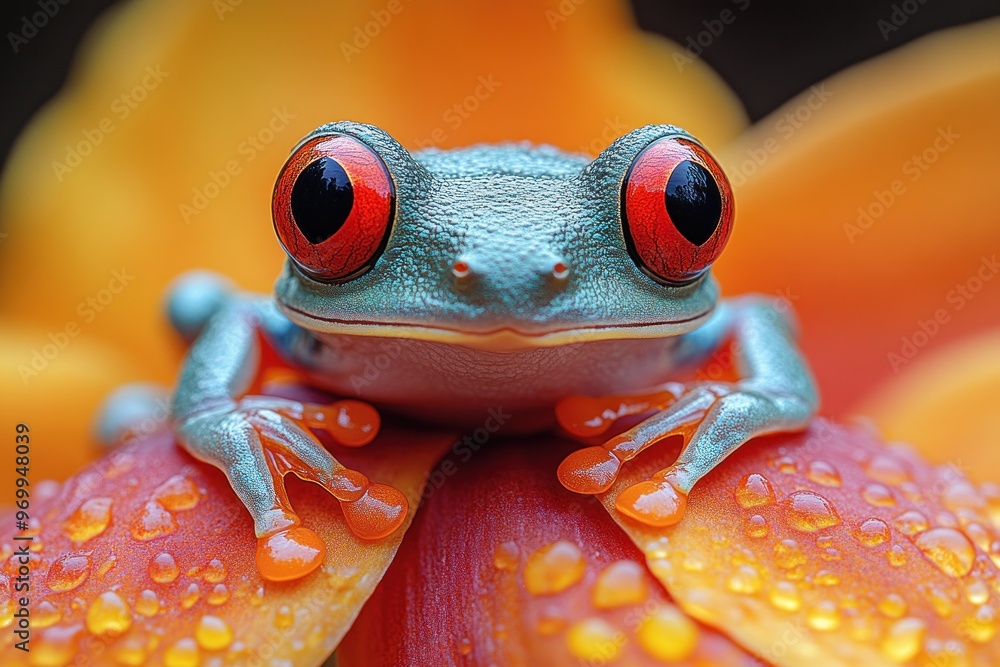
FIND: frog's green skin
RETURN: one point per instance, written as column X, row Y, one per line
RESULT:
column 512, row 338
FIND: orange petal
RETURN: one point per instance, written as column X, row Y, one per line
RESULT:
column 189, row 590
column 504, row 566
column 864, row 554
column 869, row 284
column 946, row 405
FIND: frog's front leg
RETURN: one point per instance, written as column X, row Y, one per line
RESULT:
column 775, row 392
column 256, row 440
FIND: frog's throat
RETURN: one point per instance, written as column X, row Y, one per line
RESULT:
column 499, row 339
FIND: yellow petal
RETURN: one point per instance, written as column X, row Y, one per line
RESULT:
column 910, row 139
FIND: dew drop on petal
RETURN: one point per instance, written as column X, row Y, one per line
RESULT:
column 147, row 604
column 877, row 495
column 163, row 569
column 506, row 556
column 904, row 639
column 213, row 634
column 950, row 550
column 108, row 614
column 754, row 491
column 177, row 493
column 88, row 520
column 68, row 571
column 911, row 522
column 873, row 532
column 809, row 512
column 785, row 596
column 620, row 584
column 154, row 521
column 554, row 568
column 668, row 634
column 182, row 653
column 757, row 526
column 823, row 473
column 593, row 639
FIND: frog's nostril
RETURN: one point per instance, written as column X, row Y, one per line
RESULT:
column 560, row 271
column 462, row 272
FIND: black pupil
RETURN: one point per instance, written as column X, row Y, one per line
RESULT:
column 322, row 199
column 693, row 201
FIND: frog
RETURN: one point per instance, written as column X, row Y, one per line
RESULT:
column 511, row 288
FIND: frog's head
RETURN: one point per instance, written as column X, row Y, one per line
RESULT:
column 500, row 247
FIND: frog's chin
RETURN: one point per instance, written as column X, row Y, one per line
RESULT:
column 500, row 339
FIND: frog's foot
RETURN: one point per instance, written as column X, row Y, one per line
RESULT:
column 259, row 440
column 714, row 419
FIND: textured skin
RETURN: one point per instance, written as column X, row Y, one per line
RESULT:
column 513, row 337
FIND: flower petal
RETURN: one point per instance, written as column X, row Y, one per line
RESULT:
column 829, row 548
column 504, row 566
column 147, row 557
column 946, row 405
column 866, row 202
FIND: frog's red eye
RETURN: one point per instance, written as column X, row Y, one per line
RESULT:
column 333, row 207
column 677, row 210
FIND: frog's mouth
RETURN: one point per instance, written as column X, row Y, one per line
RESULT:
column 500, row 339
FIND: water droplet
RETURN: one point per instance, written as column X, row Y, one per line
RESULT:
column 182, row 653
column 823, row 473
column 977, row 592
column 131, row 651
column 218, row 595
column 283, row 618
column 903, row 640
column 824, row 617
column 668, row 634
column 896, row 556
column 465, row 646
column 620, row 584
column 554, row 568
column 88, row 520
column 154, row 521
column 593, row 639
column 754, row 491
column 506, row 557
column 981, row 626
column 214, row 572
column 190, row 596
column 887, row 469
column 809, row 512
column 177, row 493
column 893, row 605
column 940, row 601
column 785, row 596
column 163, row 569
column 786, row 465
column 757, row 526
column 960, row 495
column 148, row 604
column 873, row 532
column 788, row 555
column 213, row 634
column 68, row 571
column 109, row 615
column 826, row 578
column 877, row 495
column 745, row 580
column 911, row 522
column 947, row 548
